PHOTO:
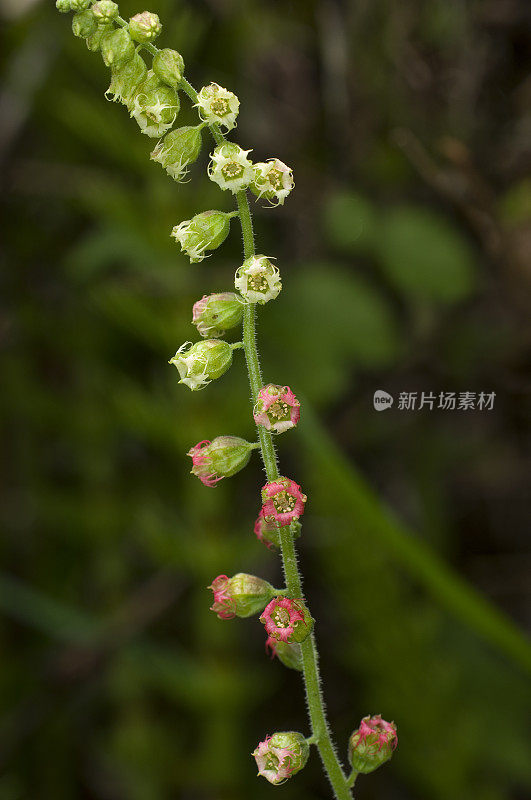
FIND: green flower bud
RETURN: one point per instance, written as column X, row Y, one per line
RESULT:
column 372, row 744
column 288, row 652
column 80, row 5
column 144, row 27
column 83, row 24
column 155, row 106
column 126, row 78
column 282, row 755
column 104, row 11
column 205, row 231
column 63, row 6
column 202, row 362
column 214, row 313
column 117, row 47
column 169, row 66
column 221, row 458
column 178, row 149
column 240, row 596
column 94, row 40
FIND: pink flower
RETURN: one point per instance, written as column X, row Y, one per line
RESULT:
column 277, row 408
column 279, row 756
column 287, row 620
column 283, row 501
column 201, row 466
column 223, row 604
column 372, row 744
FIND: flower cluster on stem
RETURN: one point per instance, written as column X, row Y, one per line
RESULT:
column 151, row 95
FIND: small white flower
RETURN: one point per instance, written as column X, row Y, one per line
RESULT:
column 258, row 280
column 192, row 367
column 217, row 105
column 273, row 180
column 230, row 168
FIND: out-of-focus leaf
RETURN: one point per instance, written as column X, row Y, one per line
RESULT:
column 424, row 256
column 350, row 221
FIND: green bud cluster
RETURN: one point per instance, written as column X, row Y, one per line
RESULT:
column 105, row 11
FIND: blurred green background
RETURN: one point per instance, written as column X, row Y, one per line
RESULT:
column 404, row 253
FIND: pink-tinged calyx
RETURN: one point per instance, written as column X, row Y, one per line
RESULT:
column 372, row 744
column 282, row 501
column 277, row 408
column 221, row 458
column 287, row 620
column 240, row 596
column 281, row 755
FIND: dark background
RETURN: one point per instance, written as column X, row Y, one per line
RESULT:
column 404, row 252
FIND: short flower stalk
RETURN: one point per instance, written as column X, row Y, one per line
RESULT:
column 151, row 93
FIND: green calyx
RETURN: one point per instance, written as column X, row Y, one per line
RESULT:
column 216, row 313
column 205, row 231
column 289, row 653
column 117, row 47
column 178, row 149
column 63, row 6
column 83, row 24
column 80, row 5
column 126, row 78
column 168, row 65
column 202, row 362
column 227, row 455
column 95, row 39
column 154, row 106
column 249, row 595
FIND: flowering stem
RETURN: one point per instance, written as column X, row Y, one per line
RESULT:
column 320, row 732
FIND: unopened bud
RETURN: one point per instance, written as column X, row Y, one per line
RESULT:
column 168, row 65
column 289, row 653
column 267, row 531
column 230, row 168
column 63, row 6
column 281, row 755
column 126, row 78
column 117, row 47
column 273, row 180
column 155, row 106
column 83, row 24
column 217, row 105
column 287, row 620
column 104, row 11
column 277, row 408
column 205, row 231
column 221, row 458
column 144, row 27
column 215, row 313
column 80, row 5
column 200, row 363
column 178, row 150
column 372, row 744
column 258, row 280
column 240, row 596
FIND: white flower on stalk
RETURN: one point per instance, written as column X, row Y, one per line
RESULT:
column 258, row 280
column 218, row 105
column 273, row 180
column 230, row 168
